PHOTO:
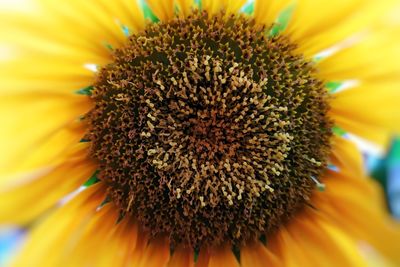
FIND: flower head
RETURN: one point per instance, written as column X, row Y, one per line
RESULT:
column 186, row 133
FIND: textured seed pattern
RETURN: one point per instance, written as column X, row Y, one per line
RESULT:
column 207, row 130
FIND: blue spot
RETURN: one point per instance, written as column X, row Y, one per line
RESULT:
column 10, row 241
column 126, row 31
column 386, row 171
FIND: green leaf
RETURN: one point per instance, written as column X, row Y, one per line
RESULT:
column 382, row 165
column 85, row 91
column 394, row 153
column 379, row 172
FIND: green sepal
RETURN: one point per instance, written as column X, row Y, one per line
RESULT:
column 338, row 131
column 196, row 253
column 199, row 4
column 92, row 180
column 321, row 187
column 236, row 252
column 108, row 46
column 248, row 9
column 263, row 239
column 333, row 86
column 176, row 10
column 282, row 21
column 148, row 13
column 85, row 91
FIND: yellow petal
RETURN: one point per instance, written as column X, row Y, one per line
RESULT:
column 37, row 128
column 186, row 6
column 58, row 230
column 233, row 6
column 323, row 242
column 182, row 257
column 49, row 34
column 339, row 184
column 127, row 12
column 99, row 241
column 86, row 19
column 23, row 203
column 203, row 258
column 377, row 135
column 163, row 9
column 222, row 257
column 102, row 241
column 52, row 150
column 141, row 244
column 334, row 22
column 212, row 6
column 128, row 232
column 257, row 255
column 71, row 30
column 346, row 156
column 375, row 56
column 45, row 65
column 306, row 22
column 356, row 205
column 266, row 12
column 156, row 254
column 88, row 246
column 368, row 107
column 34, row 80
column 282, row 244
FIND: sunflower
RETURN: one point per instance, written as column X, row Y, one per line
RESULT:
column 198, row 133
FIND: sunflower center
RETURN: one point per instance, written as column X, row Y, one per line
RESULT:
column 207, row 130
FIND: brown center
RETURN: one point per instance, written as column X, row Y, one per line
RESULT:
column 207, row 130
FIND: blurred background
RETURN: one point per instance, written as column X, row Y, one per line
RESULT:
column 384, row 167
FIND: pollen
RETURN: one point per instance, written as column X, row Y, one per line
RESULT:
column 207, row 130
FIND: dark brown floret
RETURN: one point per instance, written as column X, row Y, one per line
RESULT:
column 207, row 130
